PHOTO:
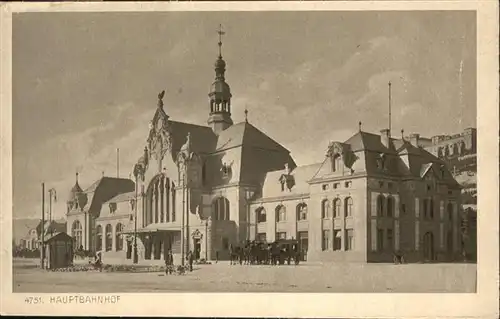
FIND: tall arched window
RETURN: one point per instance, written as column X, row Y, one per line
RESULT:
column 450, row 212
column 325, row 209
column 302, row 211
column 118, row 237
column 336, row 207
column 221, row 208
column 380, row 205
column 98, row 238
column 76, row 233
column 160, row 200
column 280, row 213
column 390, row 206
column 109, row 237
column 261, row 215
column 348, row 207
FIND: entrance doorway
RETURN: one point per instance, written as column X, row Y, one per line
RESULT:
column 197, row 248
column 428, row 246
column 303, row 238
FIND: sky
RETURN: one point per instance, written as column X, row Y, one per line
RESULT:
column 85, row 84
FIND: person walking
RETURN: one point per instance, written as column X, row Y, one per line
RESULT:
column 190, row 259
column 169, row 263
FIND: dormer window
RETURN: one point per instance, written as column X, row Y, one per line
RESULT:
column 112, row 208
column 226, row 171
column 381, row 162
column 336, row 162
column 442, row 171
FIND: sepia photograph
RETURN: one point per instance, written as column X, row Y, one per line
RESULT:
column 280, row 151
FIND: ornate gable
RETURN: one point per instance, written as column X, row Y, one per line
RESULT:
column 341, row 151
column 160, row 132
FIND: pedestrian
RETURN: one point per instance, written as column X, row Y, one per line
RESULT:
column 216, row 256
column 190, row 260
column 169, row 263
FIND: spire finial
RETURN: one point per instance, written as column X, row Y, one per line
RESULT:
column 390, row 106
column 221, row 33
column 359, row 125
column 77, row 177
column 403, row 134
column 246, row 115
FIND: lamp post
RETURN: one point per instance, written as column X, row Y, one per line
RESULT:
column 206, row 237
column 42, row 252
column 183, row 231
column 137, row 173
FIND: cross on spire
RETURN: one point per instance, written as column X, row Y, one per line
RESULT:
column 402, row 134
column 221, row 33
column 359, row 125
column 246, row 115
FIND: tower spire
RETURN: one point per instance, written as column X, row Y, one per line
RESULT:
column 221, row 33
column 220, row 94
column 390, row 107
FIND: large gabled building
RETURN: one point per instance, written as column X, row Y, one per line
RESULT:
column 203, row 188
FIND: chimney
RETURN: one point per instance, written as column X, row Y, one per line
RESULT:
column 414, row 139
column 385, row 137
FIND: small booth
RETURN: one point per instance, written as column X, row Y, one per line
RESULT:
column 59, row 251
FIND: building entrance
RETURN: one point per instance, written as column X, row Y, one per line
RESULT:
column 303, row 238
column 428, row 246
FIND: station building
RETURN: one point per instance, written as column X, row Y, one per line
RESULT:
column 202, row 188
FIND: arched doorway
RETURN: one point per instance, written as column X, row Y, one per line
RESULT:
column 428, row 246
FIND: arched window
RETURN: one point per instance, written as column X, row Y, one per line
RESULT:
column 261, row 215
column 380, row 205
column 98, row 238
column 280, row 213
column 109, row 237
column 76, row 233
column 390, row 206
column 118, row 236
column 450, row 212
column 325, row 209
column 348, row 207
column 221, row 208
column 302, row 211
column 336, row 207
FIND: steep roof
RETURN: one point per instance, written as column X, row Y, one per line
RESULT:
column 203, row 139
column 104, row 189
column 124, row 197
column 301, row 175
column 246, row 134
column 364, row 141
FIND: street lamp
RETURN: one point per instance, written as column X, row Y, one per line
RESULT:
column 137, row 173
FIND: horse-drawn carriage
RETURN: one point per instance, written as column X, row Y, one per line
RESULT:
column 263, row 253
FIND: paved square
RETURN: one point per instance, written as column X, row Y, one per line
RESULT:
column 359, row 278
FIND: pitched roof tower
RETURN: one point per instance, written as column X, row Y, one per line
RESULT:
column 220, row 95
